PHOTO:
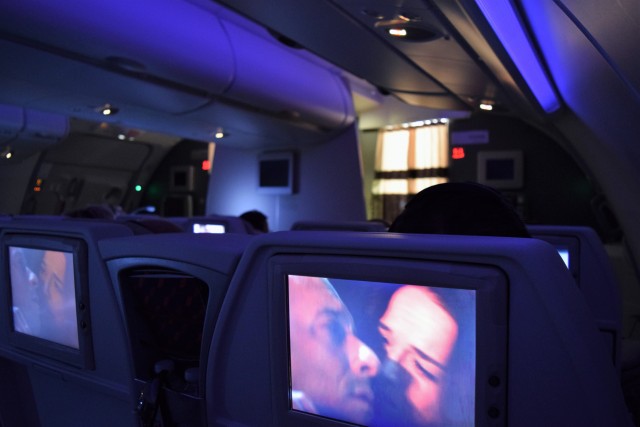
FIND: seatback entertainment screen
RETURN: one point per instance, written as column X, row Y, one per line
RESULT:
column 209, row 228
column 43, row 294
column 382, row 354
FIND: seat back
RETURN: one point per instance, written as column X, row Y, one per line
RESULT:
column 539, row 358
column 55, row 375
column 594, row 275
column 169, row 300
column 339, row 226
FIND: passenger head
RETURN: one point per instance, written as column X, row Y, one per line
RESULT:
column 92, row 212
column 330, row 367
column 419, row 334
column 257, row 220
column 460, row 208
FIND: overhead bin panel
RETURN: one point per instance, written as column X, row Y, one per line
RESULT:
column 283, row 81
column 11, row 122
column 78, row 89
column 24, row 131
column 172, row 39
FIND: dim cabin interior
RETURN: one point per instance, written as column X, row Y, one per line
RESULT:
column 109, row 121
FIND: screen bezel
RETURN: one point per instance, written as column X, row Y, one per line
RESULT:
column 81, row 357
column 491, row 289
column 285, row 156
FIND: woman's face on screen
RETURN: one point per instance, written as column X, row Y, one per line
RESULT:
column 419, row 334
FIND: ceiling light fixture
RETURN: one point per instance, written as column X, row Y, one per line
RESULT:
column 6, row 152
column 397, row 32
column 404, row 26
column 107, row 110
column 219, row 134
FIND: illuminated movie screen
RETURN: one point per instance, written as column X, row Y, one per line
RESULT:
column 382, row 354
column 564, row 254
column 209, row 228
column 43, row 294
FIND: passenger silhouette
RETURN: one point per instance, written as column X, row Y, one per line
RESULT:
column 257, row 220
column 460, row 208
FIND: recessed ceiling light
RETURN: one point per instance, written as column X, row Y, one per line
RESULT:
column 219, row 134
column 412, row 32
column 397, row 32
column 107, row 110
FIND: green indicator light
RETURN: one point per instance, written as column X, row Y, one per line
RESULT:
column 138, row 188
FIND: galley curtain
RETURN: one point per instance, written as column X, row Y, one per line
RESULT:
column 408, row 161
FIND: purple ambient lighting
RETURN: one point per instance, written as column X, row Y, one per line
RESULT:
column 504, row 21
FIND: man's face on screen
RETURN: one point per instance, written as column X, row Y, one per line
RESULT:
column 54, row 283
column 419, row 334
column 330, row 366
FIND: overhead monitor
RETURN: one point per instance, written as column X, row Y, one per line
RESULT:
column 501, row 169
column 47, row 297
column 276, row 173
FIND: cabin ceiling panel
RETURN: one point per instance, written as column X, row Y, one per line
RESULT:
column 502, row 88
column 339, row 35
column 462, row 77
column 593, row 91
column 620, row 47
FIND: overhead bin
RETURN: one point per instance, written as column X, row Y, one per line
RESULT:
column 183, row 56
column 171, row 39
column 11, row 122
column 286, row 81
column 25, row 131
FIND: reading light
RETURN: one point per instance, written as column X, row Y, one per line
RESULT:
column 6, row 152
column 219, row 134
column 486, row 107
column 505, row 22
column 107, row 110
column 397, row 32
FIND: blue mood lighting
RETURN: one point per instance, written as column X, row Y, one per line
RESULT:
column 504, row 21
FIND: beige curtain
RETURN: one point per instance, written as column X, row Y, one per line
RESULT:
column 408, row 161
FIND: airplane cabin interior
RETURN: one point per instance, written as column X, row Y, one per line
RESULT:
column 136, row 136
